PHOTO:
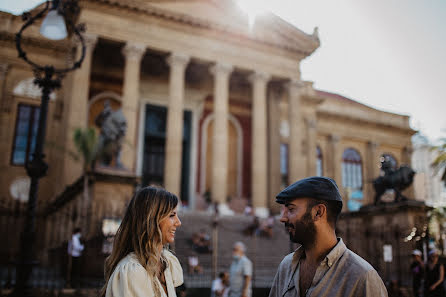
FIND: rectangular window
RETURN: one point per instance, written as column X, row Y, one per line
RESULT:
column 25, row 134
column 284, row 164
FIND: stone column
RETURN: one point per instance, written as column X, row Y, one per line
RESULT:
column 311, row 146
column 133, row 53
column 220, row 135
column 174, row 141
column 371, row 171
column 259, row 158
column 77, row 107
column 336, row 160
column 295, row 139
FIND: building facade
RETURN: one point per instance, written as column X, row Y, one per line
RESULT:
column 214, row 108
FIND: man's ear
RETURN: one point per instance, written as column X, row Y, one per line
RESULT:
column 319, row 211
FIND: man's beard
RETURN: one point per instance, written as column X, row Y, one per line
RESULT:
column 304, row 231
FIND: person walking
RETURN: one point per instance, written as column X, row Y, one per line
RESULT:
column 417, row 270
column 220, row 285
column 140, row 263
column 75, row 249
column 322, row 265
column 433, row 282
column 240, row 272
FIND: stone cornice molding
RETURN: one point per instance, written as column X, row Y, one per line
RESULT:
column 178, row 59
column 221, row 68
column 356, row 120
column 312, row 41
column 133, row 51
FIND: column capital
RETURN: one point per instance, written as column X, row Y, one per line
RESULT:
column 133, row 50
column 221, row 68
column 294, row 84
column 178, row 59
column 334, row 138
column 259, row 76
column 90, row 41
column 311, row 123
column 373, row 145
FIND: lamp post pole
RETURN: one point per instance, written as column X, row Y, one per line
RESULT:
column 48, row 78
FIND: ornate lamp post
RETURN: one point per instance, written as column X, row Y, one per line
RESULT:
column 57, row 13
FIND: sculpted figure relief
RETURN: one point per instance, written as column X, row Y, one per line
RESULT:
column 113, row 127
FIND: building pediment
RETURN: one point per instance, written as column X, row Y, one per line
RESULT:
column 226, row 17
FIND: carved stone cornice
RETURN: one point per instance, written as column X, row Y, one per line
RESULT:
column 292, row 40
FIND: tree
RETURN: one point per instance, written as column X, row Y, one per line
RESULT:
column 440, row 161
column 85, row 141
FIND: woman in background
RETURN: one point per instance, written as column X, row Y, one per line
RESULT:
column 433, row 281
column 140, row 263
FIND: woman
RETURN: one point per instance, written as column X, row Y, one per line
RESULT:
column 140, row 264
column 434, row 277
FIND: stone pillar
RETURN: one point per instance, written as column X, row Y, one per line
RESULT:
column 371, row 171
column 133, row 53
column 77, row 107
column 220, row 135
column 174, row 141
column 311, row 146
column 259, row 158
column 335, row 160
column 295, row 139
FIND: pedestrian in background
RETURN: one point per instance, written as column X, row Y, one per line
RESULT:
column 433, row 282
column 417, row 270
column 220, row 285
column 75, row 249
column 240, row 272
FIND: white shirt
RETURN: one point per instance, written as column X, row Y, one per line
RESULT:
column 75, row 247
column 130, row 278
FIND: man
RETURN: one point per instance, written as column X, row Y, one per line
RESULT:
column 240, row 272
column 322, row 265
column 417, row 269
column 220, row 285
column 75, row 248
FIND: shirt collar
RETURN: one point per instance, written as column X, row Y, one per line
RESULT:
column 330, row 258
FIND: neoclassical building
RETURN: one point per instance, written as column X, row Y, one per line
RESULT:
column 214, row 108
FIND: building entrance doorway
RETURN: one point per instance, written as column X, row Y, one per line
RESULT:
column 154, row 148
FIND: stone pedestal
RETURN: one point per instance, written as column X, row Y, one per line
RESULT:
column 399, row 225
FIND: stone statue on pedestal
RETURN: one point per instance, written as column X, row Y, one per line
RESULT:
column 393, row 179
column 113, row 127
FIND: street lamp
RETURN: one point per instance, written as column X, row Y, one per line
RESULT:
column 48, row 78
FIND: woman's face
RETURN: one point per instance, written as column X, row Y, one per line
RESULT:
column 169, row 225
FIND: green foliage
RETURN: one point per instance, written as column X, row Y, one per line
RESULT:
column 85, row 141
column 440, row 162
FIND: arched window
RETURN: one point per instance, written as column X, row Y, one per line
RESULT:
column 319, row 166
column 351, row 169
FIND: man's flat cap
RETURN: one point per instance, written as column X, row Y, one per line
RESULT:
column 317, row 187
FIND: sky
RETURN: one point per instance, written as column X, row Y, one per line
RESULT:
column 387, row 54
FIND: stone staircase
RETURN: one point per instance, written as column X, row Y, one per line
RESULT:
column 265, row 253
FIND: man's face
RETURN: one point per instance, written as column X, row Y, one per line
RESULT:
column 298, row 222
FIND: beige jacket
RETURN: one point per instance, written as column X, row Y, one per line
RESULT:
column 130, row 279
column 341, row 274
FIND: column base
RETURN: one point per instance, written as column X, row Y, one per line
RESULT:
column 261, row 212
column 224, row 210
